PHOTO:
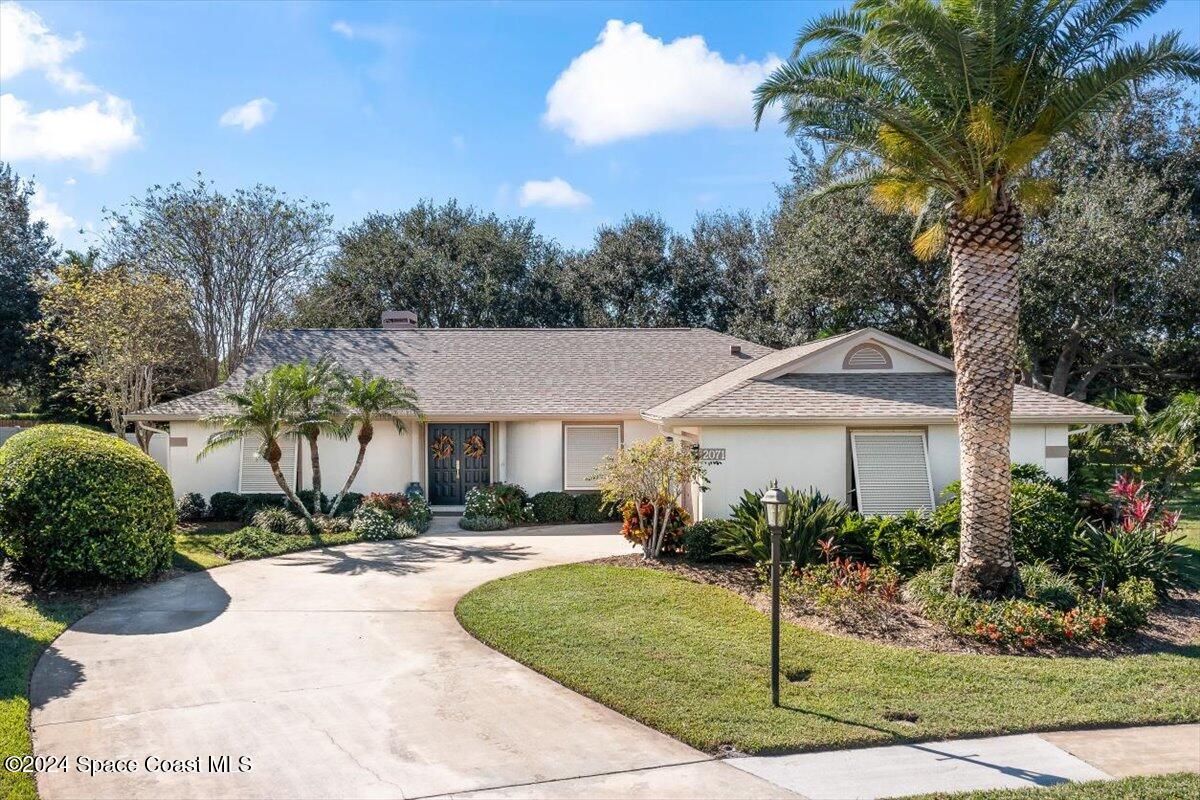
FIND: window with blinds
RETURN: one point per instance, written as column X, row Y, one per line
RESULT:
column 891, row 471
column 256, row 474
column 583, row 448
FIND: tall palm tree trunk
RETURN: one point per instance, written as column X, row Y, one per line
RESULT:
column 273, row 455
column 315, row 457
column 983, row 321
column 365, row 434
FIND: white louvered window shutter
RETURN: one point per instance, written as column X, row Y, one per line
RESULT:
column 583, row 448
column 891, row 472
column 256, row 474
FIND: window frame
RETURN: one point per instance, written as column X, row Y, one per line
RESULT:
column 619, row 426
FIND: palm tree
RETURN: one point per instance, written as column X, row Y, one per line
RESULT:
column 946, row 105
column 263, row 408
column 316, row 386
column 369, row 399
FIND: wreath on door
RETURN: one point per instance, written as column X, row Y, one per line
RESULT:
column 442, row 447
column 473, row 447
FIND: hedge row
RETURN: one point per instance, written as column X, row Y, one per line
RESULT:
column 554, row 508
column 241, row 506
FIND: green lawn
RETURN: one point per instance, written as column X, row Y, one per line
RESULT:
column 25, row 630
column 692, row 660
column 1159, row 787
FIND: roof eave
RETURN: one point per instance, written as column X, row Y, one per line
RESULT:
column 943, row 419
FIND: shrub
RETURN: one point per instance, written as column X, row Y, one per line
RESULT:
column 1045, row 586
column 505, row 501
column 1043, row 516
column 350, row 504
column 332, row 525
column 279, row 521
column 552, row 508
column 257, row 501
column 908, row 543
column 1140, row 545
column 411, row 508
column 845, row 589
column 419, row 513
column 808, row 517
column 77, row 504
column 250, row 542
column 226, row 506
column 374, row 524
column 591, row 508
column 484, row 524
column 306, row 497
column 700, row 540
column 1029, row 621
column 672, row 535
column 396, row 504
column 190, row 507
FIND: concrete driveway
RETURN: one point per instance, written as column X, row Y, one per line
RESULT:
column 342, row 673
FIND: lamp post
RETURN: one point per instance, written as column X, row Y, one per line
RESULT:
column 773, row 501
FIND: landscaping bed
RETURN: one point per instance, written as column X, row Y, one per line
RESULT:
column 692, row 660
column 1174, row 624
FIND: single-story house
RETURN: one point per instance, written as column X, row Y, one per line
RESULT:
column 863, row 416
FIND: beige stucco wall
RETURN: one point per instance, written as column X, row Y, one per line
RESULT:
column 216, row 472
column 799, row 456
column 534, row 454
column 1027, row 445
column 386, row 468
column 817, row 456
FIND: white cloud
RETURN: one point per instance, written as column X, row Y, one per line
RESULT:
column 342, row 27
column 70, row 181
column 459, row 141
column 632, row 84
column 91, row 132
column 554, row 193
column 27, row 44
column 58, row 221
column 249, row 115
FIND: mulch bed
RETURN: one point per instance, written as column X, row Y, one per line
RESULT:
column 1175, row 624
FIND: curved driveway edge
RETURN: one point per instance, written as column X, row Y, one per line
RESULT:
column 342, row 672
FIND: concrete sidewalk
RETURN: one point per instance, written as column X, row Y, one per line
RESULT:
column 1001, row 762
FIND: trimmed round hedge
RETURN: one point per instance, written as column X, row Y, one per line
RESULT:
column 79, row 505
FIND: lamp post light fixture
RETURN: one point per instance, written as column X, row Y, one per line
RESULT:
column 774, row 502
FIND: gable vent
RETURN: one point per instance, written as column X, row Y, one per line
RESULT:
column 867, row 356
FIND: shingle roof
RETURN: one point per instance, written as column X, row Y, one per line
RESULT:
column 899, row 397
column 503, row 372
column 705, row 392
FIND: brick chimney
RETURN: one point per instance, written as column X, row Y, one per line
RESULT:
column 399, row 320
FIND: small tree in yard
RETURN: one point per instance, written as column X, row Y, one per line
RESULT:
column 123, row 337
column 265, row 407
column 654, row 473
column 369, row 399
column 317, row 389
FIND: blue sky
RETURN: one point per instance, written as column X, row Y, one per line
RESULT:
column 572, row 113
